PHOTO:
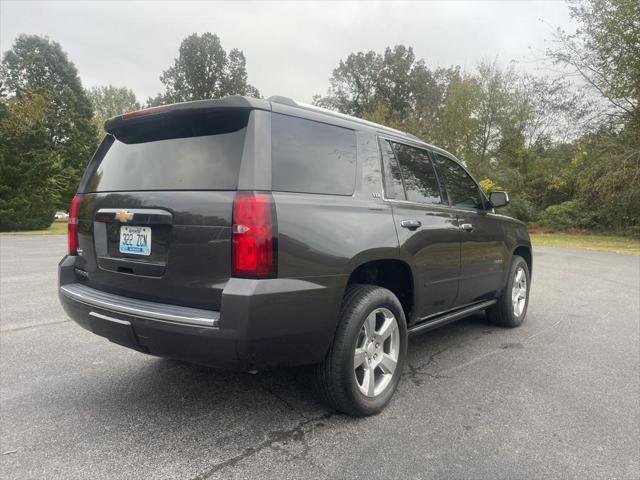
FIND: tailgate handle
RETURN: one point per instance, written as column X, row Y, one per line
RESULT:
column 145, row 216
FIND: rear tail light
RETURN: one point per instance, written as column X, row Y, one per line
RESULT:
column 254, row 236
column 146, row 111
column 72, row 232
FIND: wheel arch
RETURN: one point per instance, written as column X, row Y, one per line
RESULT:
column 393, row 274
column 524, row 251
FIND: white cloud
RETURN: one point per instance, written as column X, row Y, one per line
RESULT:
column 291, row 48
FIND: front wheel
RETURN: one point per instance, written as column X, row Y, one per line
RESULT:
column 365, row 362
column 511, row 308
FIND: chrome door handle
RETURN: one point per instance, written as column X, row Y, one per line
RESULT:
column 411, row 224
column 467, row 227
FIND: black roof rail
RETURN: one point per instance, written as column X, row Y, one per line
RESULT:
column 283, row 100
column 382, row 128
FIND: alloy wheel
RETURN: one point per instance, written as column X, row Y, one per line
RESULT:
column 376, row 354
column 519, row 292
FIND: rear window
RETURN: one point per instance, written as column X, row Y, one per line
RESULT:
column 195, row 152
column 312, row 157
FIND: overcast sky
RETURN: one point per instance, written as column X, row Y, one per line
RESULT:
column 291, row 48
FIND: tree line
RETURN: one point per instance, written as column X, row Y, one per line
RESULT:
column 565, row 145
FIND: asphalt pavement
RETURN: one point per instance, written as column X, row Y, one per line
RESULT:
column 558, row 397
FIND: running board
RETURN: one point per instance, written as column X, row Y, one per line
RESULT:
column 440, row 320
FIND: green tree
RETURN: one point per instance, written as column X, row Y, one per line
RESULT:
column 396, row 81
column 606, row 169
column 534, row 136
column 204, row 70
column 604, row 52
column 31, row 173
column 353, row 85
column 458, row 126
column 495, row 92
column 429, row 92
column 391, row 88
column 109, row 101
column 557, row 111
column 36, row 66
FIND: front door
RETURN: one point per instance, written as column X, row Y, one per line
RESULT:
column 483, row 251
column 427, row 228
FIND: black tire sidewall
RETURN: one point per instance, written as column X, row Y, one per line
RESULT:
column 374, row 298
column 516, row 263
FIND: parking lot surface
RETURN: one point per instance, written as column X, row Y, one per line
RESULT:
column 558, row 397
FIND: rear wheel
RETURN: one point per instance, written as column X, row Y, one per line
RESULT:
column 511, row 308
column 363, row 366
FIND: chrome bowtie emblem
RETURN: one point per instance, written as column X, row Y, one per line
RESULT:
column 124, row 216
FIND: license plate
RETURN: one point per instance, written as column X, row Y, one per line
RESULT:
column 135, row 240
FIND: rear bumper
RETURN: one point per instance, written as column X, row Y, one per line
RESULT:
column 160, row 312
column 261, row 323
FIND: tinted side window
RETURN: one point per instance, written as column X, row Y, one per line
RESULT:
column 462, row 190
column 312, row 157
column 393, row 187
column 420, row 181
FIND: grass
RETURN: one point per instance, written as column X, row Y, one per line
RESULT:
column 588, row 241
column 56, row 228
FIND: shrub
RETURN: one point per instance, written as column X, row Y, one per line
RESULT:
column 522, row 208
column 571, row 214
column 30, row 172
column 28, row 211
column 488, row 185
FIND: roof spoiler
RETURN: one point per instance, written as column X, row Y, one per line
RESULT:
column 151, row 113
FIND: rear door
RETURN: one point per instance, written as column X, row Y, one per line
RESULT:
column 426, row 226
column 483, row 249
column 156, row 211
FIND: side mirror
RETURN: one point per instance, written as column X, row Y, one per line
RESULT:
column 499, row 199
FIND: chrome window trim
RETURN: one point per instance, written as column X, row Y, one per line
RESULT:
column 489, row 211
column 394, row 200
column 482, row 194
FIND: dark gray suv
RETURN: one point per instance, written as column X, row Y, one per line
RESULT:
column 251, row 234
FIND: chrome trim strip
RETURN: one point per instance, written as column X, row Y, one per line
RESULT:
column 141, row 308
column 439, row 206
column 444, row 153
column 449, row 317
column 111, row 319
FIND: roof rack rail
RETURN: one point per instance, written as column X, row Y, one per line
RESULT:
column 283, row 100
column 292, row 103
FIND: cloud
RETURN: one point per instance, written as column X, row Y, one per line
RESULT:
column 291, row 48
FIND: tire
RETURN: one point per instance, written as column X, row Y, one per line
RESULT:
column 346, row 374
column 503, row 312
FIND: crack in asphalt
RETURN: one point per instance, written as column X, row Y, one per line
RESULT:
column 415, row 372
column 16, row 329
column 502, row 348
column 284, row 401
column 274, row 437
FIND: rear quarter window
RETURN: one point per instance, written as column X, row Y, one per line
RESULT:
column 312, row 157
